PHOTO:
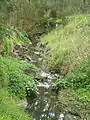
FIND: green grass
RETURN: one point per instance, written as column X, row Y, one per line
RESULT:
column 13, row 82
column 15, row 76
column 9, row 110
column 74, row 91
column 80, row 78
column 68, row 53
column 69, row 45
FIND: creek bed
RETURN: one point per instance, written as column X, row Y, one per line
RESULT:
column 47, row 106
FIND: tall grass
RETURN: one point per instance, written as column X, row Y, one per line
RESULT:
column 69, row 45
column 9, row 110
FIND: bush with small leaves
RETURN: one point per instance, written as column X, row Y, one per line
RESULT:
column 12, row 76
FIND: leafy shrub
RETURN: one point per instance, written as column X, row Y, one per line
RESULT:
column 31, row 90
column 59, row 85
column 80, row 78
column 28, row 68
column 13, row 77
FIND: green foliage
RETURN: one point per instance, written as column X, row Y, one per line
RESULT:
column 79, row 80
column 9, row 110
column 68, row 45
column 76, row 103
column 31, row 90
column 84, row 94
column 9, row 36
column 21, row 36
column 12, row 76
column 29, row 69
column 33, row 15
column 59, row 85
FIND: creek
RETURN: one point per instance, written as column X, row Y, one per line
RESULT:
column 46, row 106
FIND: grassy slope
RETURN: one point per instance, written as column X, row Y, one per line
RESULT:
column 13, row 80
column 69, row 46
column 78, row 80
column 14, row 76
column 9, row 109
column 69, row 53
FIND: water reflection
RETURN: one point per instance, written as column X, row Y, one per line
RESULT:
column 45, row 107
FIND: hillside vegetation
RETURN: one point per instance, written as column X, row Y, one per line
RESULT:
column 14, row 80
column 69, row 45
column 13, row 77
column 62, row 27
column 68, row 54
column 74, row 90
column 9, row 110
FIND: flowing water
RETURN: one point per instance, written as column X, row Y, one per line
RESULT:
column 46, row 105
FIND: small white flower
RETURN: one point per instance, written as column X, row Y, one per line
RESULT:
column 61, row 116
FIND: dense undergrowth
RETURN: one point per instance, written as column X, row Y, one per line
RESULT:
column 74, row 91
column 79, row 80
column 68, row 53
column 69, row 45
column 9, row 37
column 15, row 81
column 13, row 77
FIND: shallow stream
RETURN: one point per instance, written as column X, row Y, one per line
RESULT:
column 46, row 106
